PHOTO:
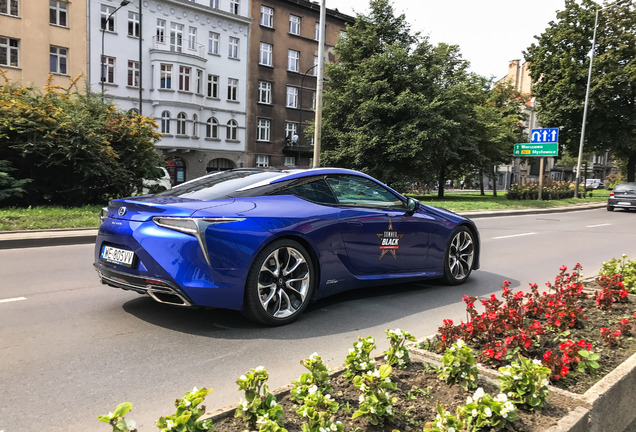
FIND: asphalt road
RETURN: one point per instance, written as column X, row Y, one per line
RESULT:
column 72, row 349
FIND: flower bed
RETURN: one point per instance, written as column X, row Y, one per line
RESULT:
column 571, row 335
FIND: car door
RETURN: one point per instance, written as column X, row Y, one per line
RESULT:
column 379, row 235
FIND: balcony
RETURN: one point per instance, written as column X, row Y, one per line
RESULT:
column 178, row 47
column 296, row 150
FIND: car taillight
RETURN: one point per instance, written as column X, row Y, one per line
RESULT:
column 611, row 193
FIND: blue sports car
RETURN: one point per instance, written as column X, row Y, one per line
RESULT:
column 268, row 242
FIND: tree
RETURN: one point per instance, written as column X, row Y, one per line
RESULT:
column 396, row 106
column 559, row 66
column 73, row 148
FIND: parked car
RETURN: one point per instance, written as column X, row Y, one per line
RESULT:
column 267, row 242
column 594, row 184
column 622, row 196
column 159, row 184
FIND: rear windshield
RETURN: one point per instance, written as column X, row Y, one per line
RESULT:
column 225, row 184
column 625, row 187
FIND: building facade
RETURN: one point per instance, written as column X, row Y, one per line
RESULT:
column 37, row 42
column 283, row 66
column 188, row 71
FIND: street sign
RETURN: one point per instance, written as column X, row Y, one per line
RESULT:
column 548, row 135
column 540, row 150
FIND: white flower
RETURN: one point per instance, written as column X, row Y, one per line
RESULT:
column 359, row 345
column 194, row 390
column 242, row 378
column 545, row 382
column 351, row 350
column 372, row 410
column 363, row 365
column 186, row 402
column 507, row 372
column 273, row 404
column 333, row 427
column 389, row 410
column 399, row 354
column 469, row 400
column 504, row 414
column 260, row 368
column 328, row 397
column 376, row 373
column 130, row 424
column 475, row 413
column 313, row 389
column 509, row 406
column 244, row 404
column 452, row 348
column 169, row 424
column 501, row 397
column 387, row 379
column 322, row 429
column 537, row 362
column 361, row 398
column 479, row 393
column 451, row 429
column 460, row 343
column 487, row 412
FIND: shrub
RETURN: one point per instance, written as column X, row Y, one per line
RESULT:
column 552, row 190
column 624, row 267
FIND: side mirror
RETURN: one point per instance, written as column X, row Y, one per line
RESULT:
column 412, row 205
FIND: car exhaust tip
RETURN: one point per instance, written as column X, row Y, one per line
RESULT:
column 170, row 298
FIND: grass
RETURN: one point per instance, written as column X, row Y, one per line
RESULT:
column 33, row 218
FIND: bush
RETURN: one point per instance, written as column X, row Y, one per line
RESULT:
column 551, row 190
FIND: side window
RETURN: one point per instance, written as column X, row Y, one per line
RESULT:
column 316, row 191
column 357, row 191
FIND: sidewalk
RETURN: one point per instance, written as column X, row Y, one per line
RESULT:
column 37, row 238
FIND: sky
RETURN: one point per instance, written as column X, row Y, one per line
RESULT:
column 489, row 33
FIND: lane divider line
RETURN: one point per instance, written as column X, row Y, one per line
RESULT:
column 514, row 235
column 599, row 225
column 14, row 299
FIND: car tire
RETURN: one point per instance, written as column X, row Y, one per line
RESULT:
column 279, row 284
column 459, row 256
column 610, row 208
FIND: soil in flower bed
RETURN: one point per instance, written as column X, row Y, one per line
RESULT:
column 419, row 391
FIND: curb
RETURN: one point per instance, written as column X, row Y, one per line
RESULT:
column 60, row 237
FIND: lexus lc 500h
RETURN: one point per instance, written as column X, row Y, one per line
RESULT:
column 268, row 242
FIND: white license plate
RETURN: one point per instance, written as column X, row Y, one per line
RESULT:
column 624, row 203
column 117, row 256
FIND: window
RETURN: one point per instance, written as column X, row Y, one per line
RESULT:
column 294, row 24
column 213, row 43
column 265, row 57
column 292, row 97
column 212, row 128
column 265, row 92
column 9, row 7
column 291, row 129
column 184, row 78
column 58, row 60
column 176, row 37
column 231, row 131
column 234, row 48
column 195, row 125
column 57, row 12
column 317, row 31
column 192, row 38
column 232, row 89
column 133, row 73
column 293, row 58
column 165, row 122
column 108, row 69
column 181, row 123
column 234, row 7
column 358, row 191
column 161, row 31
column 133, row 24
column 262, row 161
column 9, row 51
column 267, row 16
column 213, row 86
column 214, row 4
column 198, row 84
column 263, row 128
column 165, row 76
column 289, row 161
column 108, row 24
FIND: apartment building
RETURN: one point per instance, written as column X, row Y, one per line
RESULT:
column 37, row 41
column 188, row 71
column 283, row 65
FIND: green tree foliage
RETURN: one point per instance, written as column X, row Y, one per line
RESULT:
column 72, row 148
column 9, row 186
column 403, row 109
column 559, row 67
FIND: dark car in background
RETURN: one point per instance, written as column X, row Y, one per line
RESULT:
column 622, row 196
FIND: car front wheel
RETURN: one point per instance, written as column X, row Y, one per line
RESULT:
column 459, row 256
column 279, row 284
column 610, row 208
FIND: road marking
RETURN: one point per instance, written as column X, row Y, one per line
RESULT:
column 14, row 299
column 514, row 235
column 599, row 225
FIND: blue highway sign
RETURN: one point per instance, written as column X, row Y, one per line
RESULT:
column 547, row 135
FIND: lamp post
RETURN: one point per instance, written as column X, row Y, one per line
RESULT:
column 300, row 107
column 587, row 98
column 103, row 65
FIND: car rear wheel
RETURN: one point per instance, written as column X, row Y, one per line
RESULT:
column 610, row 208
column 279, row 284
column 459, row 256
